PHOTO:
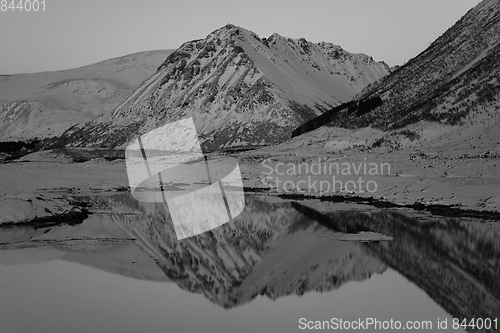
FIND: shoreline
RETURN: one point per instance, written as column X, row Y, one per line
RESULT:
column 433, row 209
column 42, row 191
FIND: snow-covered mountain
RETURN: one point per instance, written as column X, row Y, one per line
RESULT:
column 453, row 82
column 46, row 104
column 242, row 90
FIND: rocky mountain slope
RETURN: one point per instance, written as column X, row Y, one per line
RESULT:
column 242, row 90
column 46, row 104
column 453, row 82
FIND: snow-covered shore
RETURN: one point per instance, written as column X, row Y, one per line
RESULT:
column 44, row 189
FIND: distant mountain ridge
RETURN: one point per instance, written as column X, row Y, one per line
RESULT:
column 243, row 90
column 41, row 105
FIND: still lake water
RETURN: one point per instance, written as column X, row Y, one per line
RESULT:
column 276, row 267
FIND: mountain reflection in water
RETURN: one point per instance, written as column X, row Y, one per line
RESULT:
column 286, row 248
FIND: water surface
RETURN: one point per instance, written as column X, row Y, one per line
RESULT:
column 123, row 270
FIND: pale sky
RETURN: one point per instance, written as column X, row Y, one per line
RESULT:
column 74, row 33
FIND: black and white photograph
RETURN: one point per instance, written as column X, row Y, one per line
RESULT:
column 249, row 166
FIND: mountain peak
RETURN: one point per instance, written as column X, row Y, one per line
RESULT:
column 240, row 89
column 225, row 29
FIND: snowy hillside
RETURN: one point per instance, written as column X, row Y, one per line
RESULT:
column 454, row 81
column 46, row 104
column 240, row 89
